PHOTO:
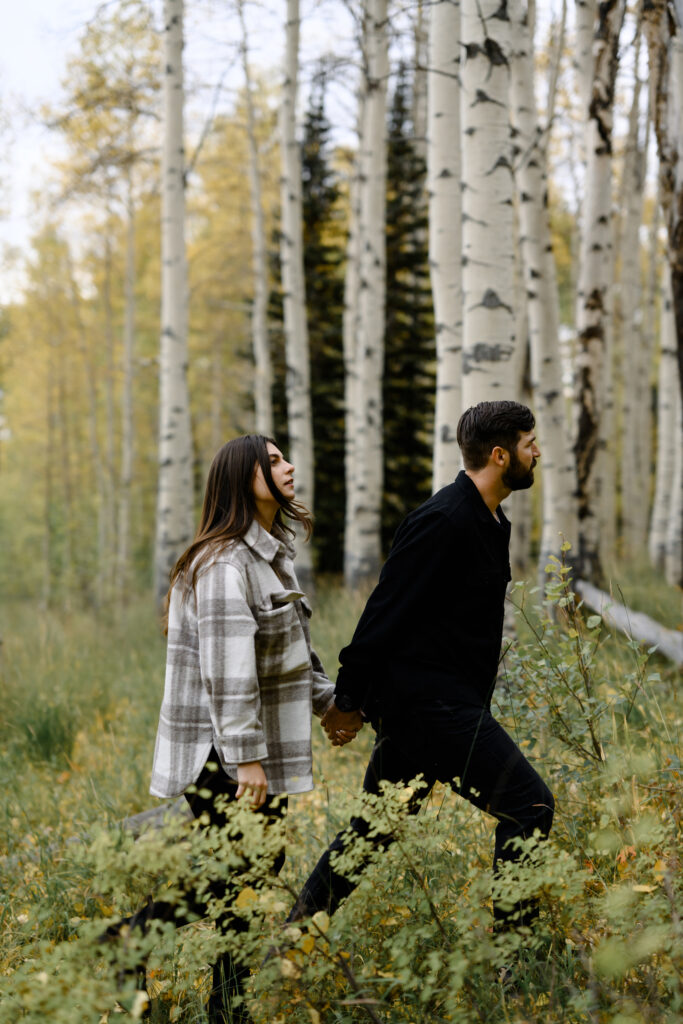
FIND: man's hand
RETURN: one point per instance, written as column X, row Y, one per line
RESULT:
column 341, row 726
column 251, row 779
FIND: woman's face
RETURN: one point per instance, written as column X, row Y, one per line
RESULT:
column 283, row 477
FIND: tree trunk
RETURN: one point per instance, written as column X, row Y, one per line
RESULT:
column 298, row 379
column 351, row 368
column 674, row 533
column 126, row 472
column 665, row 44
column 445, row 234
column 109, row 425
column 542, row 301
column 365, row 496
column 97, row 587
column 668, row 394
column 487, row 220
column 263, row 374
column 175, row 513
column 593, row 286
column 635, row 355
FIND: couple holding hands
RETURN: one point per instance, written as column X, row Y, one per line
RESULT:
column 242, row 678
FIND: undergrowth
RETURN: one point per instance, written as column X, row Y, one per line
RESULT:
column 598, row 717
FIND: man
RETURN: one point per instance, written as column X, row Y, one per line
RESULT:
column 423, row 660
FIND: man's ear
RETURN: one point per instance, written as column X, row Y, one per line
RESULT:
column 498, row 455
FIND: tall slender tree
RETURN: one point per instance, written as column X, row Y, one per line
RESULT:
column 175, row 511
column 487, row 218
column 298, row 379
column 594, row 282
column 540, row 286
column 444, row 190
column 263, row 377
column 362, row 550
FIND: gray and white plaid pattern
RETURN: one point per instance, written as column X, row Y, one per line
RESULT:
column 240, row 671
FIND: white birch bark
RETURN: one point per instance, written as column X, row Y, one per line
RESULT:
column 298, row 378
column 593, row 291
column 487, row 221
column 674, row 533
column 665, row 43
column 668, row 401
column 365, row 497
column 635, row 357
column 175, row 512
column 445, row 233
column 542, row 301
column 263, row 374
column 420, row 86
column 351, row 368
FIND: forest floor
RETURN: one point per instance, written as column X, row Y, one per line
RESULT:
column 601, row 719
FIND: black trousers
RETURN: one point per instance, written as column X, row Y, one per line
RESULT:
column 229, row 974
column 463, row 746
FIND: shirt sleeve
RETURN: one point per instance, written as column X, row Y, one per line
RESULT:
column 227, row 656
column 322, row 689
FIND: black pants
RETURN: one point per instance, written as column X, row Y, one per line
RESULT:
column 460, row 745
column 229, row 974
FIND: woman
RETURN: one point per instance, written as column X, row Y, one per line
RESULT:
column 241, row 676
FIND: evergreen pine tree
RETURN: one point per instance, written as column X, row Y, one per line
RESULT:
column 409, row 370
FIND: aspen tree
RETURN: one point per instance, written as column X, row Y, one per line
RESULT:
column 364, row 495
column 298, row 377
column 668, row 416
column 175, row 513
column 540, row 287
column 487, row 219
column 663, row 28
column 445, row 236
column 263, row 373
column 635, row 355
column 593, row 288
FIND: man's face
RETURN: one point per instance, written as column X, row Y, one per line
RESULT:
column 519, row 474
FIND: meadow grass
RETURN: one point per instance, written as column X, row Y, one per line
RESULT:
column 414, row 943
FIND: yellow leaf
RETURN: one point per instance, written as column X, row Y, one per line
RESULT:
column 308, row 944
column 246, row 898
column 314, row 1015
column 644, row 888
column 659, row 870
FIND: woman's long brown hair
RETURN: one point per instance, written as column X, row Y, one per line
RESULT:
column 230, row 507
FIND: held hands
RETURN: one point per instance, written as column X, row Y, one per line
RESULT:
column 251, row 778
column 341, row 726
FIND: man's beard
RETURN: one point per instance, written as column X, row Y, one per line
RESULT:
column 516, row 476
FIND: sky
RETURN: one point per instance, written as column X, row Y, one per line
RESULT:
column 35, row 39
column 38, row 36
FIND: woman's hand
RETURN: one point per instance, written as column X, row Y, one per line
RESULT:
column 341, row 726
column 251, row 778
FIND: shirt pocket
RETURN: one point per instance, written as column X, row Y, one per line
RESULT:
column 281, row 649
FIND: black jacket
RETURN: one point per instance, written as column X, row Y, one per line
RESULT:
column 433, row 625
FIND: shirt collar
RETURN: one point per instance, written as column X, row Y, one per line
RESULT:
column 480, row 506
column 267, row 545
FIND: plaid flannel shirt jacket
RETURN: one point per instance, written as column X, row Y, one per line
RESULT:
column 241, row 675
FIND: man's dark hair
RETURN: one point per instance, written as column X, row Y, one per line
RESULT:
column 483, row 427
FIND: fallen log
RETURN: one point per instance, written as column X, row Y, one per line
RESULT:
column 635, row 625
